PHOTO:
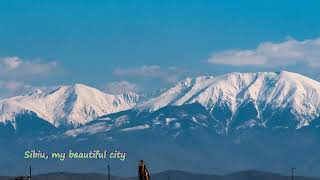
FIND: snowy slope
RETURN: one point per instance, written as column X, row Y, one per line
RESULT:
column 278, row 91
column 234, row 100
column 67, row 105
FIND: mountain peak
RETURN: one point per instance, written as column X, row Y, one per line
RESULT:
column 35, row 92
column 78, row 86
column 284, row 90
column 67, row 105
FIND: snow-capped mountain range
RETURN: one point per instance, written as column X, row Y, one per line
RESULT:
column 282, row 88
column 266, row 96
column 67, row 105
column 279, row 91
column 233, row 121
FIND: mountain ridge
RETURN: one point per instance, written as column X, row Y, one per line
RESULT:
column 227, row 98
column 67, row 105
column 277, row 90
column 265, row 130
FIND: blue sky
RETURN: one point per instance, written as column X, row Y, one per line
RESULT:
column 143, row 45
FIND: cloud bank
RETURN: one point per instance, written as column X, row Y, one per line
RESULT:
column 269, row 54
column 14, row 67
column 15, row 73
column 169, row 75
column 120, row 87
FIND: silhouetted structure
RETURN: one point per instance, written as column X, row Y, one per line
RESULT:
column 24, row 178
column 19, row 178
column 30, row 174
column 143, row 171
column 292, row 169
column 109, row 177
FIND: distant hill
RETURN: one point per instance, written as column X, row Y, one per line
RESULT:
column 172, row 175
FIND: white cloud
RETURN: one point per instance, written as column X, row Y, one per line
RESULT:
column 16, row 74
column 12, row 62
column 13, row 67
column 289, row 52
column 11, row 85
column 145, row 70
column 170, row 75
column 12, row 88
column 232, row 57
column 120, row 87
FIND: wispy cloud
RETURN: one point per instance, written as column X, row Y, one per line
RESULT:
column 11, row 63
column 13, row 67
column 170, row 74
column 13, row 88
column 120, row 87
column 269, row 54
column 16, row 73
